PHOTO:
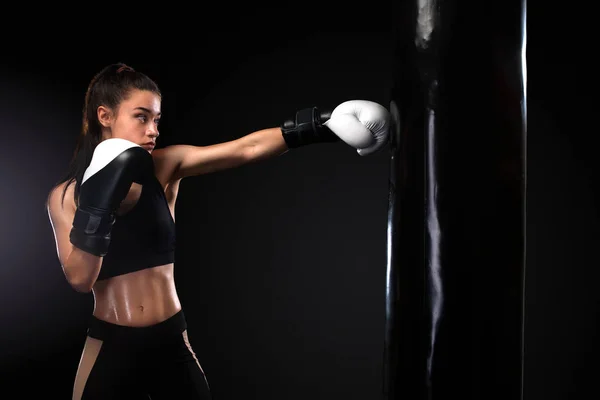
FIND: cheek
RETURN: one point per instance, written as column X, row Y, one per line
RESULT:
column 134, row 128
column 131, row 130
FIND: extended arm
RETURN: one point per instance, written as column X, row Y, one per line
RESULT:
column 197, row 160
column 363, row 125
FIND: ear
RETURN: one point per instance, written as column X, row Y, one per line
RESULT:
column 104, row 116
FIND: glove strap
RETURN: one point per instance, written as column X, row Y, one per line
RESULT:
column 91, row 231
column 308, row 128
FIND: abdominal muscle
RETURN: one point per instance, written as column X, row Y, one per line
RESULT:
column 137, row 299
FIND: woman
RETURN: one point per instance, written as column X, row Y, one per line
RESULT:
column 113, row 221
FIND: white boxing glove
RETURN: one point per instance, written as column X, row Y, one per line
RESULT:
column 362, row 124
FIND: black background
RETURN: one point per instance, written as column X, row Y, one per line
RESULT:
column 281, row 264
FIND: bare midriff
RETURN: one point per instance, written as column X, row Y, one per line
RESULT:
column 140, row 298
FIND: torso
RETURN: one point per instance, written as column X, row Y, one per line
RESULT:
column 143, row 297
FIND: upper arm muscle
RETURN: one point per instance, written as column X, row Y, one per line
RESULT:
column 61, row 216
column 197, row 160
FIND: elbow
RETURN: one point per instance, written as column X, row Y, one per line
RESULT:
column 79, row 280
column 81, row 287
column 255, row 152
column 248, row 155
column 81, row 270
column 79, row 284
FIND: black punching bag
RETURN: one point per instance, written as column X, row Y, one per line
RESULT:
column 456, row 222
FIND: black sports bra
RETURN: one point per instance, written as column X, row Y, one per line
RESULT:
column 144, row 237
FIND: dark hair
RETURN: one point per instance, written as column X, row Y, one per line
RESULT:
column 109, row 88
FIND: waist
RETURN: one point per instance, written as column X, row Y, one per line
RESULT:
column 106, row 331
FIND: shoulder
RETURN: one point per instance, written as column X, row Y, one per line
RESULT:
column 167, row 161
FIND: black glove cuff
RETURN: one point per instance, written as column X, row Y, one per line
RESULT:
column 91, row 231
column 307, row 128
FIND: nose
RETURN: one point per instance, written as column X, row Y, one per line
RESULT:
column 153, row 131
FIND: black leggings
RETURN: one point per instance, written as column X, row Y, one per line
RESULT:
column 155, row 362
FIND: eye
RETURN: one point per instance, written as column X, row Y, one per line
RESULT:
column 141, row 117
column 157, row 121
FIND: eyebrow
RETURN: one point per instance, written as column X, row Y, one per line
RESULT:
column 146, row 110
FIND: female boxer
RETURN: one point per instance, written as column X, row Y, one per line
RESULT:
column 114, row 226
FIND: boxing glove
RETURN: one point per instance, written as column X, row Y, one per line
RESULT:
column 361, row 124
column 115, row 165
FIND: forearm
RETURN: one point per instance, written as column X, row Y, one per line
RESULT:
column 81, row 270
column 263, row 144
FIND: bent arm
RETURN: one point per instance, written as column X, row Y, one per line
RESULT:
column 81, row 269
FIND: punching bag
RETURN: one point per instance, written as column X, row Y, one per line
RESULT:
column 456, row 222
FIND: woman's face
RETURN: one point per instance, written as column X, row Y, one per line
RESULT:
column 137, row 119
